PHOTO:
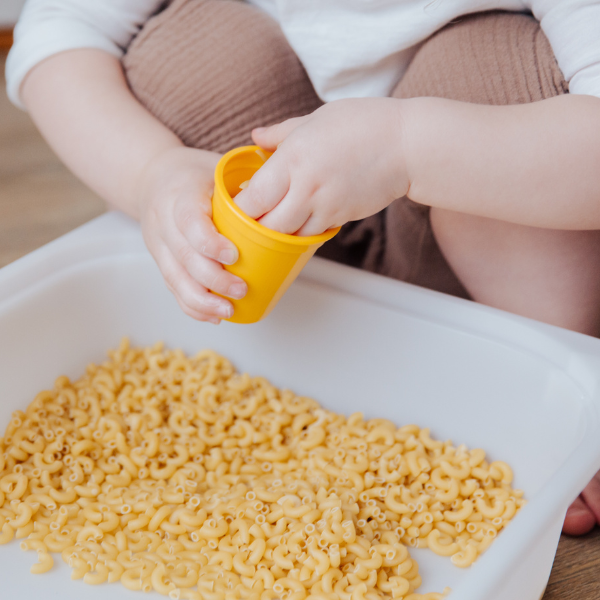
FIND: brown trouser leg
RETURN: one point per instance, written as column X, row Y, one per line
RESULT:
column 213, row 69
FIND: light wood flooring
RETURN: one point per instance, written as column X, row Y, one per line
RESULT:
column 40, row 199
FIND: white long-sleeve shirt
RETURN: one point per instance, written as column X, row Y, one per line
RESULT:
column 350, row 48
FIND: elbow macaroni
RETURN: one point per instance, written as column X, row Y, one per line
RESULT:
column 180, row 475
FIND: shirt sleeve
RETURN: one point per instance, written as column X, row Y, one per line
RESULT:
column 573, row 30
column 47, row 27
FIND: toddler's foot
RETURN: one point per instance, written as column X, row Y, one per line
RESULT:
column 584, row 513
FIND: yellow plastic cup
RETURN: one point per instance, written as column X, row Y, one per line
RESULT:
column 269, row 261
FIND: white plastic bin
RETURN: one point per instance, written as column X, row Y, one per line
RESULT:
column 526, row 392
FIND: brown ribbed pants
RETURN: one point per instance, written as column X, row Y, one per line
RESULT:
column 211, row 70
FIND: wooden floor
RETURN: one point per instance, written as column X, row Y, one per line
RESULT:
column 40, row 200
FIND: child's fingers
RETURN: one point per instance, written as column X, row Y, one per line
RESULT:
column 270, row 137
column 314, row 225
column 267, row 188
column 198, row 316
column 203, row 270
column 193, row 297
column 199, row 230
column 290, row 214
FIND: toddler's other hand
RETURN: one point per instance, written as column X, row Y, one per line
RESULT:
column 174, row 197
column 343, row 162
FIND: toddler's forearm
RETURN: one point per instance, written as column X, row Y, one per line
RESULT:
column 535, row 164
column 82, row 105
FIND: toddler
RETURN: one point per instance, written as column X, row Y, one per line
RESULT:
column 459, row 149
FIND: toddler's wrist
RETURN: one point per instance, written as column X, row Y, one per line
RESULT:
column 149, row 178
column 439, row 135
column 174, row 168
column 414, row 111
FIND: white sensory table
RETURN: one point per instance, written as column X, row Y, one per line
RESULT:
column 526, row 392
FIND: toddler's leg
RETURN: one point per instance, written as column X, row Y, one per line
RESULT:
column 552, row 276
column 211, row 70
column 544, row 274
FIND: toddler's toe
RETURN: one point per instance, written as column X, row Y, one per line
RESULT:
column 591, row 496
column 579, row 519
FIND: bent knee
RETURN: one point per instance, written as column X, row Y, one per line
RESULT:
column 543, row 274
column 211, row 70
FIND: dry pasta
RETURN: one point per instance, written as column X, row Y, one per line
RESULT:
column 180, row 475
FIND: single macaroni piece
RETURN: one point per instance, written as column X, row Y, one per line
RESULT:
column 179, row 475
column 264, row 158
column 262, row 154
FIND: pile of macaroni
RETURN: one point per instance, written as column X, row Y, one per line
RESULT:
column 180, row 475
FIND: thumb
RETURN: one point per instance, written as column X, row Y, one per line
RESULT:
column 270, row 137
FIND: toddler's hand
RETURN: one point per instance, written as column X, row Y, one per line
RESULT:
column 343, row 162
column 174, row 197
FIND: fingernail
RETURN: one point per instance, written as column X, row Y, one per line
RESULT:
column 214, row 320
column 227, row 257
column 237, row 290
column 225, row 311
column 258, row 129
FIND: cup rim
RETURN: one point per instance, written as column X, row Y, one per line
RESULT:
column 285, row 238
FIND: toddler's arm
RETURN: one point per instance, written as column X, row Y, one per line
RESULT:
column 535, row 164
column 80, row 101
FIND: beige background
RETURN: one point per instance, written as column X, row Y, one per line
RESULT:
column 9, row 11
column 40, row 200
